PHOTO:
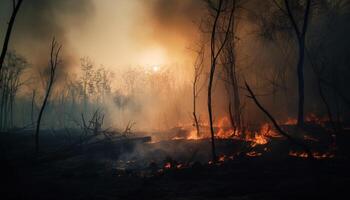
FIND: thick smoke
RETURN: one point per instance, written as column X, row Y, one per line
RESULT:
column 175, row 23
column 40, row 20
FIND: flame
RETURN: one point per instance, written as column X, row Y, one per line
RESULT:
column 310, row 117
column 193, row 135
column 222, row 158
column 290, row 121
column 167, row 165
column 224, row 131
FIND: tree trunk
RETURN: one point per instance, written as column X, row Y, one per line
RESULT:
column 214, row 57
column 40, row 116
column 194, row 108
column 301, row 92
column 53, row 65
column 8, row 32
column 300, row 33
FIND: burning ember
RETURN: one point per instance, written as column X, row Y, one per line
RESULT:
column 316, row 155
column 253, row 154
column 167, row 165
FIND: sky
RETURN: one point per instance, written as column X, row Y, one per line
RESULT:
column 113, row 33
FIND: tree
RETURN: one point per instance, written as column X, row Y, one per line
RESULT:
column 54, row 62
column 86, row 79
column 10, row 82
column 231, row 79
column 300, row 33
column 16, row 7
column 215, row 50
column 198, row 69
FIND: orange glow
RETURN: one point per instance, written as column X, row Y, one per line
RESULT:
column 167, row 165
column 290, row 121
column 224, row 131
column 253, row 154
column 193, row 135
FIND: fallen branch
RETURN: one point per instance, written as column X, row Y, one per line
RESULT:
column 278, row 128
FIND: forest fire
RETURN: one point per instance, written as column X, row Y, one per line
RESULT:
column 224, row 131
column 169, row 99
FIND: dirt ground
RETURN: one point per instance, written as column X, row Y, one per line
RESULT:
column 93, row 174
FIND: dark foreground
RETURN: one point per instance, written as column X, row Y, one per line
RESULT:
column 93, row 175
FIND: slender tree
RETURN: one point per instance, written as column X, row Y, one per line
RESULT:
column 16, row 6
column 215, row 50
column 231, row 77
column 301, row 35
column 54, row 62
column 198, row 69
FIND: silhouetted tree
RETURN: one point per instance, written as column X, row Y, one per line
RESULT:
column 54, row 62
column 301, row 35
column 197, row 73
column 16, row 6
column 10, row 82
column 231, row 80
column 215, row 50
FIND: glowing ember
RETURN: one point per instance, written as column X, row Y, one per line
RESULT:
column 167, row 165
column 313, row 118
column 253, row 154
column 222, row 158
column 179, row 166
column 316, row 155
column 290, row 121
column 298, row 154
column 307, row 137
column 322, row 155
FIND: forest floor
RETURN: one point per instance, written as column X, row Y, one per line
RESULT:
column 97, row 174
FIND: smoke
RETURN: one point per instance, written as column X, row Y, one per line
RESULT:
column 174, row 24
column 124, row 34
column 39, row 21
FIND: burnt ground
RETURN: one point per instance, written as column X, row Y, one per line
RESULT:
column 122, row 171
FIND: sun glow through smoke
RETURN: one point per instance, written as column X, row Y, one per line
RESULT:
column 154, row 58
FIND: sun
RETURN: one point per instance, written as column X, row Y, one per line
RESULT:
column 155, row 68
column 154, row 58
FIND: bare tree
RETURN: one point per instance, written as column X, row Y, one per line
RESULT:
column 87, row 68
column 300, row 33
column 10, row 82
column 54, row 62
column 215, row 50
column 230, row 71
column 16, row 6
column 196, row 89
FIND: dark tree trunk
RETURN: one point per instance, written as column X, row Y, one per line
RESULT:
column 194, row 108
column 301, row 85
column 214, row 56
column 300, row 33
column 54, row 56
column 8, row 32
